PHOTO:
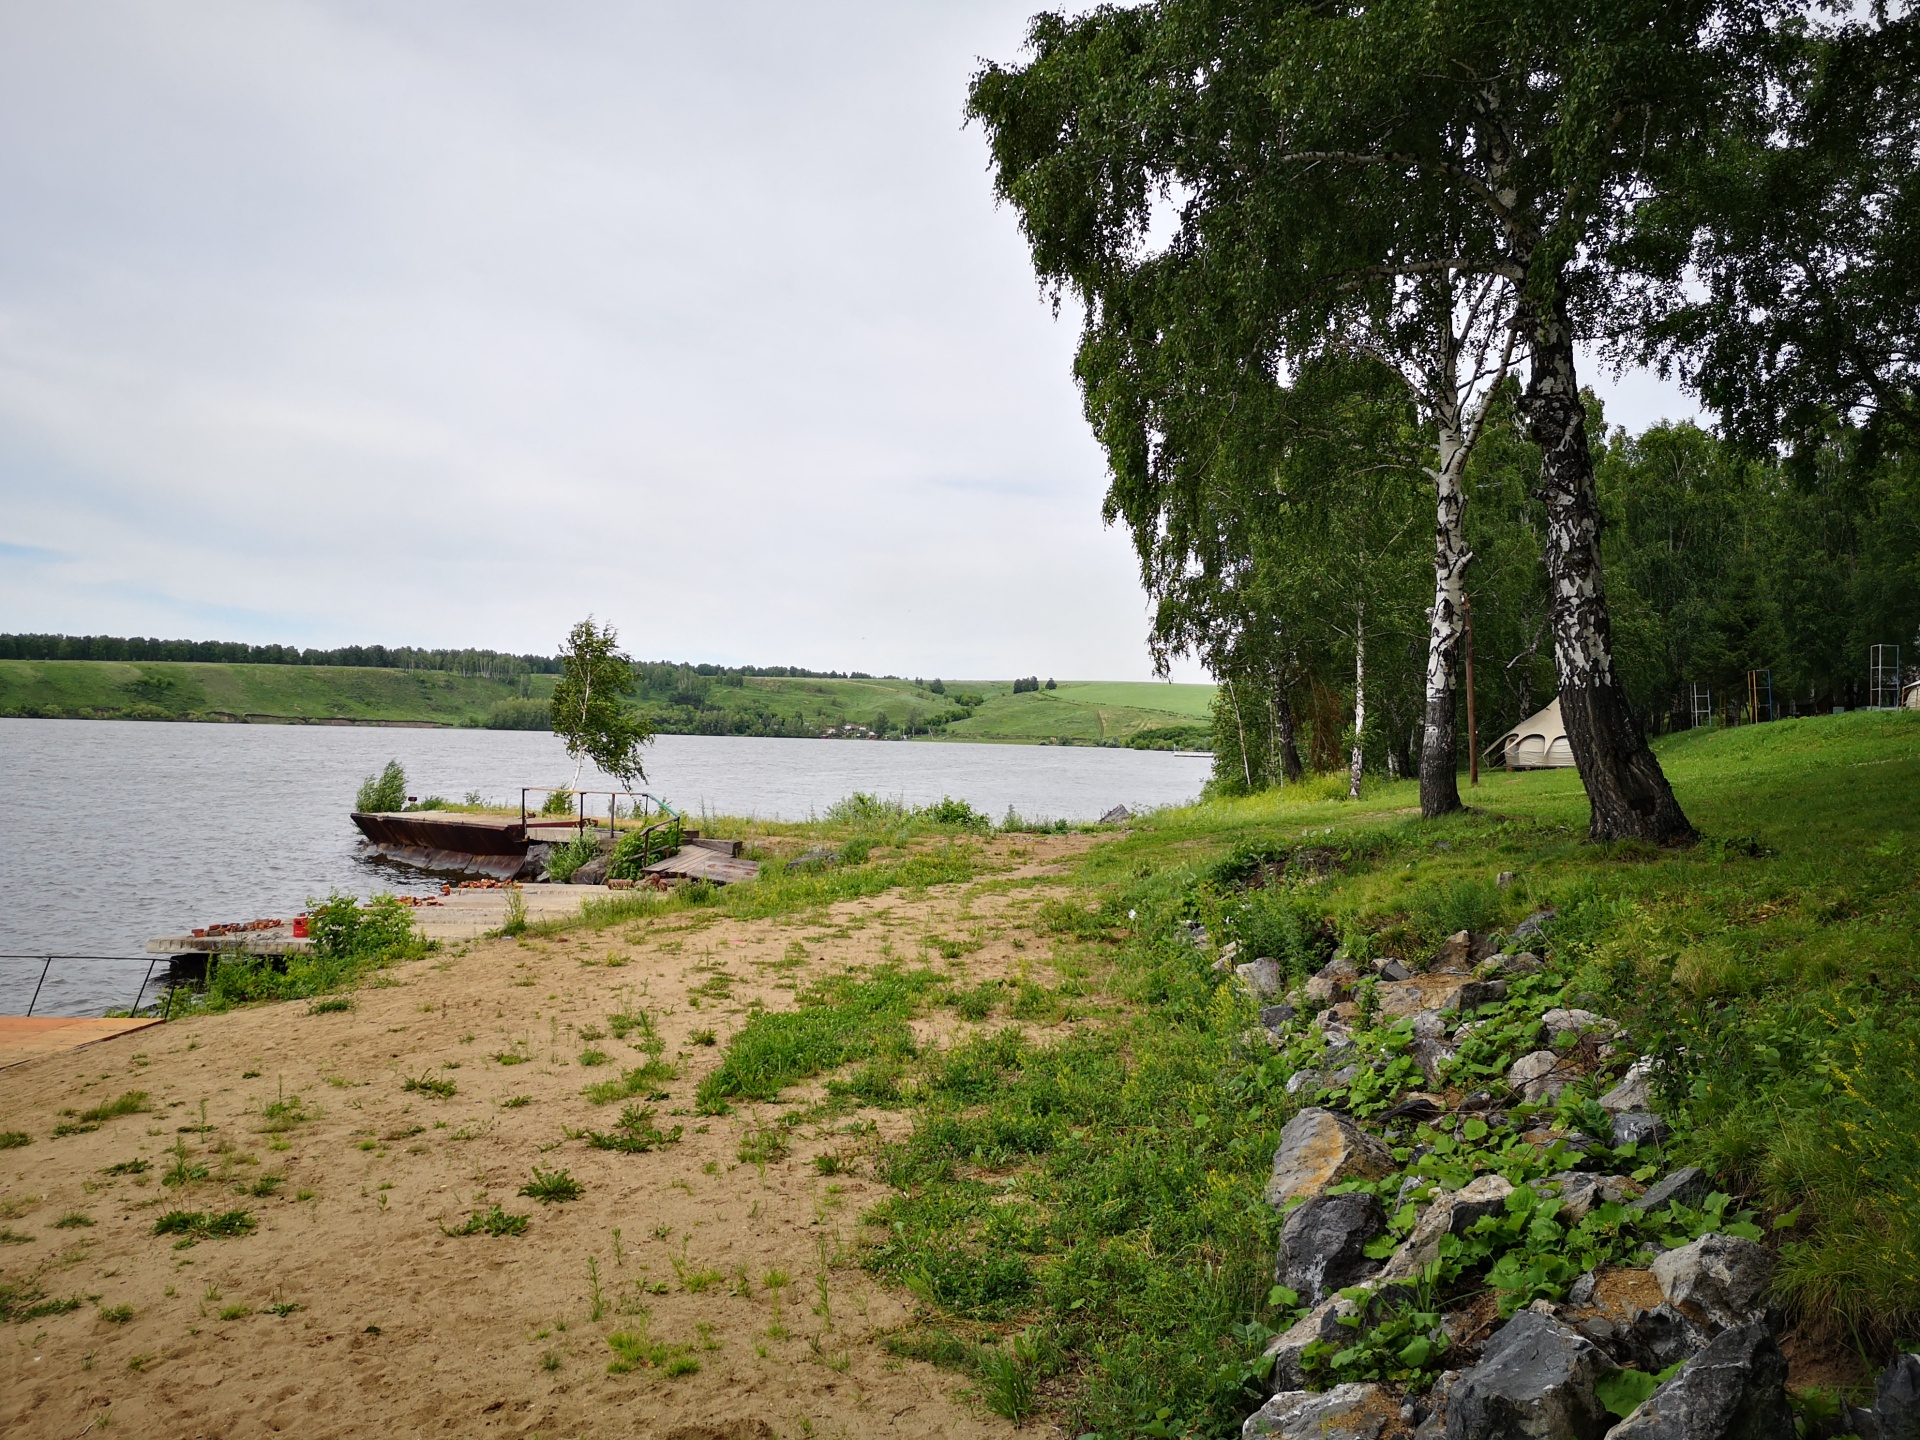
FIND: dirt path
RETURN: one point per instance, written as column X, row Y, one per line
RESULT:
column 350, row 1311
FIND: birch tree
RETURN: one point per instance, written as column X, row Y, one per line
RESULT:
column 587, row 711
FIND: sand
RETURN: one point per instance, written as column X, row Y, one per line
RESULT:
column 386, row 1324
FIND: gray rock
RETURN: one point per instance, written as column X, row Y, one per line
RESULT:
column 1264, row 979
column 1561, row 1022
column 1305, row 1082
column 1504, row 966
column 1896, row 1399
column 1717, row 1282
column 1632, row 1127
column 1346, row 1412
column 1539, row 1076
column 1455, row 954
column 1118, row 815
column 1536, row 1380
column 1319, row 1149
column 1433, row 1057
column 1688, row 1186
column 1272, row 1017
column 1579, row 1193
column 1634, row 1092
column 594, row 872
column 1581, row 1292
column 1430, row 1024
column 1475, row 993
column 1433, row 1426
column 1391, row 970
column 1450, row 1214
column 1503, row 879
column 1655, row 1339
column 1289, row 1348
column 1323, row 1244
column 1735, row 1389
column 1534, row 924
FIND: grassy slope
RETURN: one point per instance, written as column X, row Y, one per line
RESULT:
column 168, row 690
column 1078, row 1206
column 172, row 690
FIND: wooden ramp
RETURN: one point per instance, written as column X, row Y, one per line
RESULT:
column 28, row 1037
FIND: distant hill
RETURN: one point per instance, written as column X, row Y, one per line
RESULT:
column 678, row 699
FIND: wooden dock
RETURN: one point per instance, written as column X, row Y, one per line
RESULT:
column 24, row 1038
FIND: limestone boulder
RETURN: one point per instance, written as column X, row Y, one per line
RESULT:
column 1323, row 1244
column 1450, row 1214
column 1719, row 1282
column 1896, row 1400
column 1535, row 1381
column 1264, row 979
column 1735, row 1389
column 1561, row 1023
column 1539, row 1076
column 1634, row 1092
column 1319, row 1149
column 1346, row 1412
column 1288, row 1349
column 1686, row 1186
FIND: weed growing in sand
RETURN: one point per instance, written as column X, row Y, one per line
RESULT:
column 703, row 1037
column 641, row 1080
column 14, row 1139
column 637, row 1022
column 330, row 1005
column 74, row 1220
column 432, row 1085
column 264, row 1186
column 284, row 1308
column 133, row 1102
column 591, row 1033
column 116, row 1314
column 203, row 1224
column 551, row 1187
column 128, row 1167
column 236, row 1312
column 550, row 1361
column 827, row 1164
column 763, row 1145
column 14, row 1237
column 517, row 1055
column 633, row 1134
column 185, row 1170
column 491, row 1221
column 596, row 1301
column 23, row 1300
column 632, row 1350
column 590, row 1058
column 283, row 1113
column 515, row 1102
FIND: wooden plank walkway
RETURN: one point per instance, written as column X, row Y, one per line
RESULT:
column 28, row 1037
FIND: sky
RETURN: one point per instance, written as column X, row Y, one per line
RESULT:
column 451, row 323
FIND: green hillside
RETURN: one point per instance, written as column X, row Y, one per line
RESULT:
column 676, row 699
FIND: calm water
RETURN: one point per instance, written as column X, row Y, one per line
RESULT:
column 116, row 831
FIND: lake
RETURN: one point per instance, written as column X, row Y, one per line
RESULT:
column 117, row 831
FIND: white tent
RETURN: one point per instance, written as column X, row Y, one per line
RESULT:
column 1538, row 742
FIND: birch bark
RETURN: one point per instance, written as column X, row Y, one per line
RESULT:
column 1359, row 702
column 1628, row 792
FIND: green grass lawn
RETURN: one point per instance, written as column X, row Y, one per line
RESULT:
column 1077, row 1206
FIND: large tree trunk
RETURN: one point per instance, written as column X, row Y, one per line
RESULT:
column 1359, row 702
column 1439, row 783
column 1626, row 788
column 1282, row 715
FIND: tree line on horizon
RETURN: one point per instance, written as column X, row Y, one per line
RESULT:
column 1335, row 267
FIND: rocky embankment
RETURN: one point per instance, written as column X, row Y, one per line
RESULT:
column 1484, row 1236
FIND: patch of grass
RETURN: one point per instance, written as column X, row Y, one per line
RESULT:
column 14, row 1139
column 434, row 1085
column 516, row 1102
column 282, row 1114
column 840, row 1019
column 263, row 1186
column 204, row 1224
column 491, row 1221
column 641, row 1080
column 330, row 1005
column 763, row 1145
column 128, row 1167
column 74, row 1220
column 552, row 1187
column 702, row 1037
column 24, row 1300
column 632, row 1350
column 133, row 1102
column 236, row 1312
column 590, row 1058
column 116, row 1314
column 633, row 1134
column 14, row 1237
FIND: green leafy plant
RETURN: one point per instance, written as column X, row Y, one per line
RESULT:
column 551, row 1187
column 491, row 1221
column 437, row 1086
column 633, row 1134
column 632, row 1350
column 203, row 1224
column 563, row 860
column 384, row 793
column 1625, row 1391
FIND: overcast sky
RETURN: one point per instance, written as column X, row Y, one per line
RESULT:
column 450, row 323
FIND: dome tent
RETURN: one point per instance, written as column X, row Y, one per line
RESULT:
column 1538, row 742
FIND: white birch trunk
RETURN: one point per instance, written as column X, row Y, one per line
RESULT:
column 1359, row 701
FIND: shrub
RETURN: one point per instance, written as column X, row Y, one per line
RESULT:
column 954, row 813
column 519, row 715
column 567, row 858
column 344, row 929
column 384, row 792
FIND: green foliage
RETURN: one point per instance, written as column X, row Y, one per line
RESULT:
column 635, row 1133
column 132, row 1102
column 563, row 860
column 24, row 1300
column 491, row 1221
column 552, row 1187
column 437, row 1086
column 517, row 714
column 840, row 1019
column 632, row 1350
column 1625, row 1391
column 14, row 1139
column 640, row 1080
column 344, row 929
column 587, row 710
column 383, row 793
column 205, row 1224
column 764, row 1145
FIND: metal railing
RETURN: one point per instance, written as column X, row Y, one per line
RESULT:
column 640, row 804
column 46, row 965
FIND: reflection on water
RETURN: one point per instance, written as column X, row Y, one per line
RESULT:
column 116, row 831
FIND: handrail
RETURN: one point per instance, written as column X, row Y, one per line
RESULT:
column 637, row 800
column 46, row 964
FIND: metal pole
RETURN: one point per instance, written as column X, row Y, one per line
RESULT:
column 43, row 980
column 140, row 994
column 1473, row 728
